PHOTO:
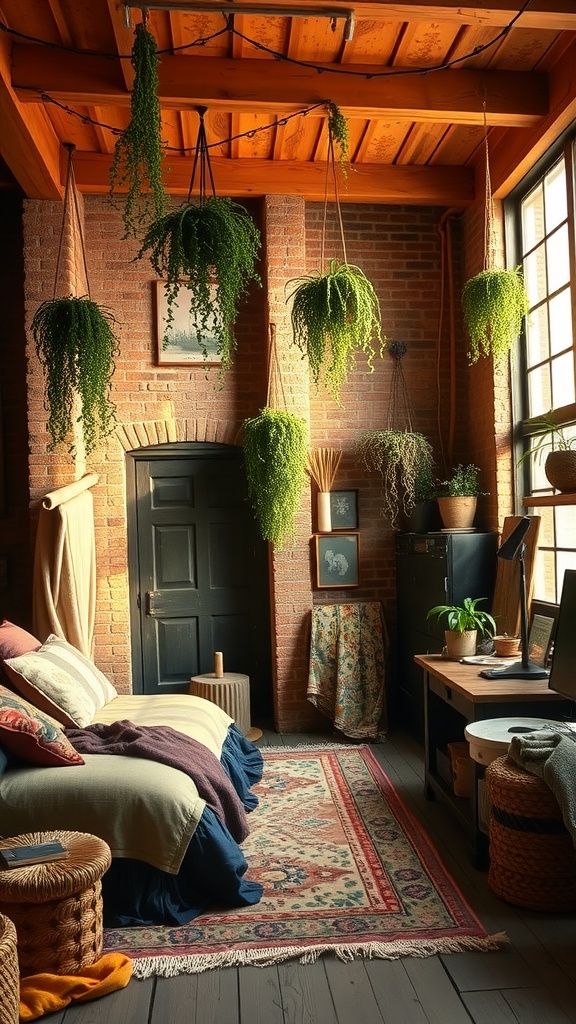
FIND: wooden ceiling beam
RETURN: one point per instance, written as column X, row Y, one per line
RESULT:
column 513, row 98
column 558, row 15
column 29, row 146
column 367, row 183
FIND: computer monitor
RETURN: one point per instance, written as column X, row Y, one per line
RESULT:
column 563, row 671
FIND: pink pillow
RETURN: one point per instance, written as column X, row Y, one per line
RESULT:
column 15, row 641
column 33, row 736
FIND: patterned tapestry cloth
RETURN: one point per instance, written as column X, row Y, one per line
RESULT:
column 348, row 646
column 346, row 869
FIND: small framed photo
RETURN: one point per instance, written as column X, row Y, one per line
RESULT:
column 179, row 346
column 539, row 639
column 344, row 510
column 337, row 560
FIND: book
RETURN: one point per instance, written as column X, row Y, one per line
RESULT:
column 36, row 853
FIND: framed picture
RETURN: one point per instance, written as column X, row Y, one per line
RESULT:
column 337, row 560
column 344, row 510
column 180, row 347
column 539, row 639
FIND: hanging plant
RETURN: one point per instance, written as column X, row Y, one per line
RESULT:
column 401, row 455
column 336, row 314
column 495, row 301
column 137, row 160
column 338, row 311
column 494, row 304
column 276, row 452
column 76, row 344
column 211, row 247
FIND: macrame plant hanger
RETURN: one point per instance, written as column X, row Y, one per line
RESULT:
column 331, row 169
column 489, row 240
column 399, row 410
column 201, row 164
column 70, row 229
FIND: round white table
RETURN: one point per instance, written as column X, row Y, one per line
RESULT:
column 490, row 737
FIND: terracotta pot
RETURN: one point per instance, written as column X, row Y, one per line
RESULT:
column 458, row 513
column 507, row 646
column 560, row 470
column 460, row 645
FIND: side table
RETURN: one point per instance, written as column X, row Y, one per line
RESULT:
column 231, row 692
column 56, row 906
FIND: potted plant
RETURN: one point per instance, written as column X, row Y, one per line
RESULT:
column 276, row 458
column 464, row 622
column 494, row 303
column 400, row 457
column 335, row 312
column 560, row 461
column 425, row 515
column 458, row 496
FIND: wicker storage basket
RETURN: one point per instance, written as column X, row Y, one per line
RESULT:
column 532, row 857
column 56, row 906
column 9, row 981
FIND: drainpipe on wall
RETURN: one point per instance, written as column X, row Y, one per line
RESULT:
column 447, row 268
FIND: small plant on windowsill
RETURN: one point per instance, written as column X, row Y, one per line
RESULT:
column 560, row 461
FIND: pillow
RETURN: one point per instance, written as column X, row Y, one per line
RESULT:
column 15, row 641
column 61, row 681
column 33, row 736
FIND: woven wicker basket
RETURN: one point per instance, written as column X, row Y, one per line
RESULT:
column 56, row 906
column 560, row 470
column 532, row 857
column 9, row 980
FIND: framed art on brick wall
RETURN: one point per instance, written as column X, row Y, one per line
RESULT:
column 337, row 560
column 179, row 346
column 344, row 510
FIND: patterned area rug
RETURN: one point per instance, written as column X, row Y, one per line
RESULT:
column 345, row 868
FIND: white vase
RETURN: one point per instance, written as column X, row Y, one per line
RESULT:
column 324, row 513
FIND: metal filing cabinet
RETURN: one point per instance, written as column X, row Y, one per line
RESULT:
column 431, row 569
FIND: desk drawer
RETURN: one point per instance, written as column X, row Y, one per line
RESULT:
column 451, row 697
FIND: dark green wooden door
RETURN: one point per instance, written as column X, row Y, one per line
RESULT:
column 200, row 572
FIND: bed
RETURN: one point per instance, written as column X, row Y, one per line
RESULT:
column 172, row 800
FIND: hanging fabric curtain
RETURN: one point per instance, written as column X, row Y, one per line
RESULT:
column 64, row 591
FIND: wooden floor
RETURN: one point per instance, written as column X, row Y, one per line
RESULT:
column 532, row 981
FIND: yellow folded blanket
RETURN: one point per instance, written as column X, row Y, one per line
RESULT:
column 46, row 993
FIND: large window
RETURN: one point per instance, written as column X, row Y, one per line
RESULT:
column 545, row 230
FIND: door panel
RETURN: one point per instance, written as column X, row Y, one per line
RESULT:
column 202, row 573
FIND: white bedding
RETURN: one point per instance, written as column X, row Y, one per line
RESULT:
column 141, row 808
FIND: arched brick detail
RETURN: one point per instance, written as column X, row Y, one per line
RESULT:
column 167, row 431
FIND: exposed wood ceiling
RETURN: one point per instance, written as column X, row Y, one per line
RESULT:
column 420, row 84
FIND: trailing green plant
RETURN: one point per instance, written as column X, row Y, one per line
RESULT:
column 463, row 483
column 211, row 248
column 494, row 304
column 425, row 485
column 339, row 133
column 76, row 344
column 137, row 159
column 550, row 437
column 276, row 453
column 399, row 456
column 461, row 618
column 336, row 313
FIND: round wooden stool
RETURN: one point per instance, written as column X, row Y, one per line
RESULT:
column 56, row 906
column 9, row 980
column 231, row 692
column 532, row 856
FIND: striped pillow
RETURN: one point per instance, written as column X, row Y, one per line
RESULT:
column 61, row 681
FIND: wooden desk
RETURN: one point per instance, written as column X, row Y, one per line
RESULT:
column 455, row 695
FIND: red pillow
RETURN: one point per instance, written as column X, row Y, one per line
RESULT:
column 15, row 641
column 33, row 736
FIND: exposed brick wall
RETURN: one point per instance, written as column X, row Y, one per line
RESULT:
column 400, row 250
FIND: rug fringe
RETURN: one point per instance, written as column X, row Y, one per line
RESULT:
column 171, row 966
column 303, row 748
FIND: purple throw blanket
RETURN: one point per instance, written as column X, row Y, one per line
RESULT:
column 167, row 745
